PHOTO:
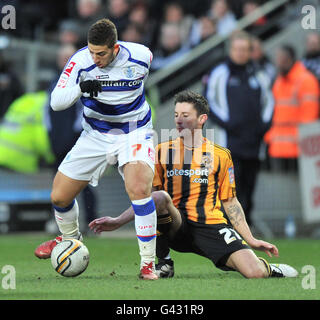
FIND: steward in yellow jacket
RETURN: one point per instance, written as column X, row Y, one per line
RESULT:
column 23, row 136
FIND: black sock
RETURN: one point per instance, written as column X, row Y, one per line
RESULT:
column 163, row 226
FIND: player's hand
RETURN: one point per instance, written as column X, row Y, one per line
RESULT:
column 104, row 224
column 269, row 248
column 91, row 86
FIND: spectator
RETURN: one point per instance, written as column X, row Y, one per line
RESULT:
column 236, row 7
column 225, row 19
column 261, row 61
column 64, row 128
column 118, row 13
column 202, row 29
column 171, row 47
column 132, row 33
column 23, row 137
column 311, row 59
column 296, row 93
column 242, row 105
column 250, row 6
column 174, row 14
column 35, row 18
column 10, row 86
column 68, row 33
column 87, row 12
column 140, row 16
column 257, row 27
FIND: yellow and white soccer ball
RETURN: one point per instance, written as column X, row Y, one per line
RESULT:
column 70, row 257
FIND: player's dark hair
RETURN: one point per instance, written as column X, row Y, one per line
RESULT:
column 198, row 101
column 102, row 33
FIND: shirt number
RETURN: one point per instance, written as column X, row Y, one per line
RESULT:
column 229, row 235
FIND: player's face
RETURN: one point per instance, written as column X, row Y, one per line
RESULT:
column 187, row 119
column 103, row 55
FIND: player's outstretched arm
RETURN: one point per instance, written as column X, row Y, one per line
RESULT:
column 63, row 98
column 109, row 223
column 237, row 217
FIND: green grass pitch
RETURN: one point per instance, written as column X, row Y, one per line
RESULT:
column 112, row 274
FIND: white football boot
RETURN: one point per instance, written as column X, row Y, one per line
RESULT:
column 282, row 270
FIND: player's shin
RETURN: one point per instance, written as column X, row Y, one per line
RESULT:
column 163, row 227
column 267, row 266
column 145, row 224
column 67, row 220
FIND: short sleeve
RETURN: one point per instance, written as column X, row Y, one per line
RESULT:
column 228, row 184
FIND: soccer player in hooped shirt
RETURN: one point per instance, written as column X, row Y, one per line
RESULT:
column 193, row 178
column 108, row 76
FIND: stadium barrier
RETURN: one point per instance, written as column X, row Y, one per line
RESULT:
column 24, row 201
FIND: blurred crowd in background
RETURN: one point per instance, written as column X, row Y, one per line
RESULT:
column 163, row 26
column 168, row 28
column 32, row 135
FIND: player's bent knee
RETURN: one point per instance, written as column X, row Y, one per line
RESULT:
column 255, row 273
column 162, row 200
column 58, row 201
column 139, row 191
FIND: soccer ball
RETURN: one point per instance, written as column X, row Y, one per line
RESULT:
column 70, row 257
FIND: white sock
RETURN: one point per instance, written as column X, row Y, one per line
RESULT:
column 67, row 220
column 146, row 225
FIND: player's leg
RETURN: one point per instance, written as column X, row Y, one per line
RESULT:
column 226, row 249
column 248, row 264
column 66, row 209
column 138, row 176
column 168, row 223
column 251, row 266
column 168, row 216
column 85, row 163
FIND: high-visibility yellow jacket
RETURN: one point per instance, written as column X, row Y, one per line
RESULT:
column 23, row 136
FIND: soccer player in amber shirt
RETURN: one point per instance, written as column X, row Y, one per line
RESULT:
column 193, row 179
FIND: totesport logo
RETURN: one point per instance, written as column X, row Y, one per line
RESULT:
column 189, row 173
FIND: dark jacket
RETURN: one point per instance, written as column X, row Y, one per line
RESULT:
column 241, row 102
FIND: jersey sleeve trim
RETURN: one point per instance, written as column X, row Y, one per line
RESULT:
column 141, row 63
column 86, row 70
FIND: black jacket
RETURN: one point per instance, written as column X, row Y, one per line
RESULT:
column 242, row 104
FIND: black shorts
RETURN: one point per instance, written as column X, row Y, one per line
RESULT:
column 213, row 241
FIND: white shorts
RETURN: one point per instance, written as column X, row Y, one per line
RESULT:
column 92, row 154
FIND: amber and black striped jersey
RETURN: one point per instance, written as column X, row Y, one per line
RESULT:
column 197, row 179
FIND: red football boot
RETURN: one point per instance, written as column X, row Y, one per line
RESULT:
column 147, row 272
column 44, row 250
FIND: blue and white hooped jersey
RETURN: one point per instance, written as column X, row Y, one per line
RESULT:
column 122, row 103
